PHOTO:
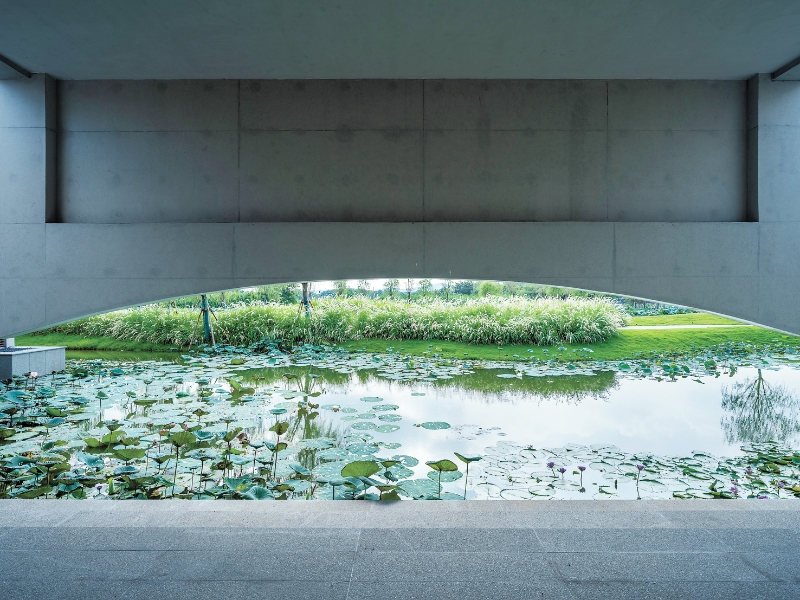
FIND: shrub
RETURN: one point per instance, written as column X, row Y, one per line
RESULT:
column 544, row 321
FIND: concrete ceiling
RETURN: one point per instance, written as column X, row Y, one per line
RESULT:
column 154, row 39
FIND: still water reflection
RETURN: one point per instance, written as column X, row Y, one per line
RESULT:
column 709, row 414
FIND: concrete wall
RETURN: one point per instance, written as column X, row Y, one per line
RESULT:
column 54, row 272
column 27, row 149
column 401, row 151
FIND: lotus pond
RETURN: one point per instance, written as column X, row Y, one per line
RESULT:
column 320, row 423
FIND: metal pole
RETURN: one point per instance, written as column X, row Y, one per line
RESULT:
column 206, row 322
column 306, row 304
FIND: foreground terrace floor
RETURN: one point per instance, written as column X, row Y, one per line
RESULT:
column 352, row 549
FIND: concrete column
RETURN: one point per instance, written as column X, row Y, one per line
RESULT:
column 27, row 195
column 774, row 195
column 27, row 150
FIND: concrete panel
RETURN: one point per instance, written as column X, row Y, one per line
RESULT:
column 732, row 296
column 22, row 305
column 778, row 173
column 752, row 175
column 778, row 102
column 497, row 105
column 51, row 210
column 309, row 251
column 686, row 249
column 753, row 85
column 331, row 176
column 23, row 154
column 677, row 105
column 71, row 298
column 514, row 176
column 779, row 249
column 50, row 103
column 22, row 250
column 778, row 302
column 146, row 251
column 148, row 177
column 677, row 175
column 22, row 102
column 519, row 251
column 329, row 105
column 178, row 105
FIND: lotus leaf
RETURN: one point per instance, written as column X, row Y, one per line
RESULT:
column 391, row 418
column 128, row 454
column 258, row 492
column 387, row 428
column 363, row 425
column 280, row 428
column 360, row 468
column 436, row 425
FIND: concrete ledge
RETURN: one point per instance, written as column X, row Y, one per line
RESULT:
column 410, row 550
column 517, row 514
column 40, row 359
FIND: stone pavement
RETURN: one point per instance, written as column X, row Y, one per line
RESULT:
column 93, row 550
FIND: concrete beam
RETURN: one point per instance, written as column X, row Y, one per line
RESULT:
column 788, row 72
column 745, row 270
column 11, row 70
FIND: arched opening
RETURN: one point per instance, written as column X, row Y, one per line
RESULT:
column 398, row 412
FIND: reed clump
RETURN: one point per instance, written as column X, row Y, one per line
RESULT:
column 541, row 321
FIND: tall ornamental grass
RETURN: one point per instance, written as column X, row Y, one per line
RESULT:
column 543, row 321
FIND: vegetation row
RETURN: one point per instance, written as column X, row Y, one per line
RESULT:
column 542, row 321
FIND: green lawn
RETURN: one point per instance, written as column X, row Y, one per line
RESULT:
column 626, row 345
column 687, row 319
column 78, row 342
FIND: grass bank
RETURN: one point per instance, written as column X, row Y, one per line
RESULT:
column 685, row 319
column 544, row 321
column 79, row 342
column 626, row 345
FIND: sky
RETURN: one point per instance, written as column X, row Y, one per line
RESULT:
column 374, row 284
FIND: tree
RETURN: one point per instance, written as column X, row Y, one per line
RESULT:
column 409, row 287
column 757, row 411
column 289, row 294
column 490, row 288
column 464, row 287
column 447, row 288
column 425, row 286
column 341, row 288
column 391, row 286
column 363, row 287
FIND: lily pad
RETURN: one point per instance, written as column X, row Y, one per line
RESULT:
column 387, row 428
column 391, row 418
column 436, row 425
column 363, row 425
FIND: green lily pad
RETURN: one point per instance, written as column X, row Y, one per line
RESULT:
column 446, row 476
column 363, row 425
column 436, row 425
column 391, row 418
column 387, row 428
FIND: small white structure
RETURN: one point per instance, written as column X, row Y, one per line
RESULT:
column 16, row 360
